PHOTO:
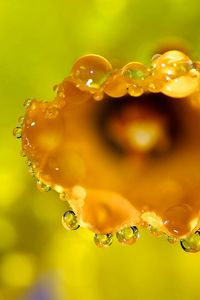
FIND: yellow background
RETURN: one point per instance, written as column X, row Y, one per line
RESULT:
column 39, row 41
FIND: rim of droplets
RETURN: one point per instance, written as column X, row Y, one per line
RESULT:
column 57, row 146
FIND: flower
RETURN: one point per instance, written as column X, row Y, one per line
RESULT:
column 122, row 147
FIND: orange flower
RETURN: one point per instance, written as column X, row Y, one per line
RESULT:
column 122, row 147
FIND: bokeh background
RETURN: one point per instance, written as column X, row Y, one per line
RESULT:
column 39, row 259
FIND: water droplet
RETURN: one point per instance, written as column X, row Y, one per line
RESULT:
column 135, row 72
column 103, row 240
column 22, row 153
column 27, row 103
column 154, row 231
column 69, row 220
column 155, row 56
column 90, row 72
column 192, row 243
column 43, row 187
column 172, row 239
column 31, row 171
column 128, row 235
column 29, row 163
column 177, row 219
column 51, row 113
column 98, row 96
column 135, row 91
column 17, row 132
column 62, row 196
column 21, row 120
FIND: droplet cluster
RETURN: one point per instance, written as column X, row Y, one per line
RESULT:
column 172, row 73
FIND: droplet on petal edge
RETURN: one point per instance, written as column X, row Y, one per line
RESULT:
column 17, row 132
column 191, row 244
column 27, row 103
column 43, row 187
column 128, row 235
column 103, row 240
column 69, row 220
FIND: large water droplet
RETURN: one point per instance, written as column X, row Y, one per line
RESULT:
column 128, row 235
column 69, row 220
column 192, row 243
column 103, row 240
column 90, row 72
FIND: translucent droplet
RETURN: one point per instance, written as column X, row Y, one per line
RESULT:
column 192, row 243
column 22, row 153
column 29, row 163
column 172, row 239
column 69, row 220
column 128, row 235
column 27, row 103
column 31, row 171
column 21, row 120
column 90, row 72
column 98, row 96
column 135, row 91
column 62, row 196
column 43, row 187
column 135, row 72
column 17, row 132
column 51, row 113
column 103, row 240
column 155, row 231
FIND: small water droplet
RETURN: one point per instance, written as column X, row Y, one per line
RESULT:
column 29, row 163
column 155, row 56
column 17, row 132
column 55, row 88
column 22, row 153
column 128, row 235
column 51, row 113
column 62, row 196
column 192, row 243
column 69, row 220
column 103, row 240
column 43, row 187
column 172, row 239
column 154, row 231
column 98, row 96
column 31, row 171
column 21, row 120
column 135, row 91
column 27, row 103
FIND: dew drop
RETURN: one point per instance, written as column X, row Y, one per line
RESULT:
column 17, row 132
column 27, row 103
column 172, row 239
column 135, row 91
column 29, row 163
column 43, row 187
column 98, row 96
column 90, row 72
column 21, row 120
column 69, row 220
column 128, row 235
column 22, row 153
column 154, row 231
column 103, row 240
column 192, row 243
column 64, row 196
column 31, row 171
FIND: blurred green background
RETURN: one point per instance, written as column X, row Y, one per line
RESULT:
column 39, row 260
